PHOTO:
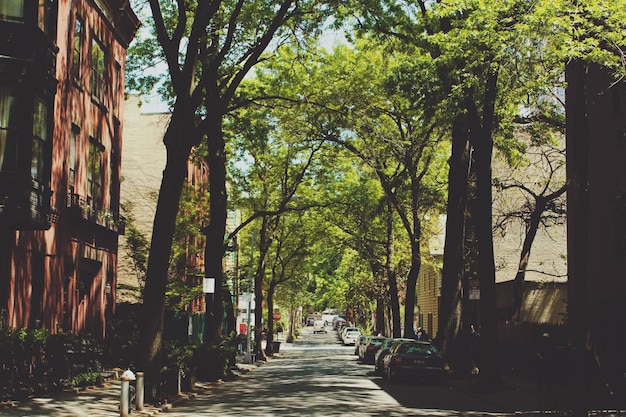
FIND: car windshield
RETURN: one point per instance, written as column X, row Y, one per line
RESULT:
column 418, row 348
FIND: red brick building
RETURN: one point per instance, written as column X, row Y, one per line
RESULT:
column 61, row 100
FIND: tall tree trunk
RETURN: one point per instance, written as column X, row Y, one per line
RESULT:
column 178, row 146
column 216, row 230
column 482, row 141
column 379, row 275
column 578, row 223
column 270, row 318
column 258, row 315
column 396, row 320
column 531, row 233
column 450, row 304
column 392, row 279
column 411, row 286
column 379, row 323
column 231, row 320
column 259, row 277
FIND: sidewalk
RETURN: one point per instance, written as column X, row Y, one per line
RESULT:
column 104, row 400
column 516, row 396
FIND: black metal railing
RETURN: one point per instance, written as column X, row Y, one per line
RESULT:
column 92, row 212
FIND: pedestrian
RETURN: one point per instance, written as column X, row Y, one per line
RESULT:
column 242, row 339
column 545, row 363
column 420, row 334
column 591, row 365
column 474, row 349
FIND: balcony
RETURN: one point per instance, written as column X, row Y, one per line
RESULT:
column 24, row 204
column 85, row 208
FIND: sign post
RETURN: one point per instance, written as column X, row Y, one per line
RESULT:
column 247, row 297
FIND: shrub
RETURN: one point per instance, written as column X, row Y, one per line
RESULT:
column 33, row 360
column 122, row 341
column 211, row 361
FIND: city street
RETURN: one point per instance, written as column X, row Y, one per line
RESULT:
column 317, row 376
column 314, row 377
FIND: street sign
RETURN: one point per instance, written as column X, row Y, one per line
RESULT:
column 474, row 289
column 208, row 286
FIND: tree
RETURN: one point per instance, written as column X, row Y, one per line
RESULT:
column 275, row 157
column 534, row 191
column 369, row 226
column 485, row 56
column 208, row 48
column 393, row 133
column 136, row 246
column 295, row 237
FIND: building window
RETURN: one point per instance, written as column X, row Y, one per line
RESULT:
column 12, row 9
column 77, row 48
column 43, row 15
column 73, row 163
column 40, row 136
column 95, row 174
column 97, row 71
column 8, row 130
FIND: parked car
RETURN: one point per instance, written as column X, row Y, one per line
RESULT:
column 361, row 340
column 310, row 319
column 319, row 326
column 414, row 359
column 379, row 357
column 368, row 349
column 337, row 321
column 342, row 325
column 349, row 335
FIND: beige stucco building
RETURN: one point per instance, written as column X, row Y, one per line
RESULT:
column 143, row 161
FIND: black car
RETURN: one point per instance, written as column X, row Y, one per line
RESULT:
column 414, row 359
column 383, row 351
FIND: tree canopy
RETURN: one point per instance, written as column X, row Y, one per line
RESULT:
column 340, row 157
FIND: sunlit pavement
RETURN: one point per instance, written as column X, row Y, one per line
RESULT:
column 316, row 376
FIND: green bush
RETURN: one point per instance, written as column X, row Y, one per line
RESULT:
column 34, row 360
column 86, row 379
column 211, row 361
column 122, row 337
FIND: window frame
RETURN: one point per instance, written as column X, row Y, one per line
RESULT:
column 8, row 13
column 95, row 174
column 78, row 41
column 40, row 133
column 9, row 129
column 72, row 150
column 98, row 63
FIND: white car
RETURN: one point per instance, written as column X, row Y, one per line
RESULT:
column 319, row 326
column 350, row 335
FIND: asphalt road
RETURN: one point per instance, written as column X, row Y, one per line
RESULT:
column 317, row 376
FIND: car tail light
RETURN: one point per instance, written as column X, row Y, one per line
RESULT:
column 397, row 360
column 371, row 348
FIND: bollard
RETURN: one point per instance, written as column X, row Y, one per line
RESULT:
column 124, row 408
column 125, row 397
column 139, row 392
